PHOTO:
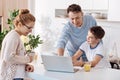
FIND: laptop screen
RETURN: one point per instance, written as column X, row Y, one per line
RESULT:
column 57, row 63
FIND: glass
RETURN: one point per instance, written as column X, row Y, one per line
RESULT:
column 87, row 66
column 35, row 57
column 28, row 27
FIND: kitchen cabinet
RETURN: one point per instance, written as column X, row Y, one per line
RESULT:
column 100, row 4
column 114, row 12
column 94, row 4
column 9, row 5
column 0, row 7
column 86, row 4
column 61, row 4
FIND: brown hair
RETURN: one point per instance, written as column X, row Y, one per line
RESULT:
column 74, row 8
column 97, row 31
column 24, row 17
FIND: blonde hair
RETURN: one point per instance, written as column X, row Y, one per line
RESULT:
column 24, row 17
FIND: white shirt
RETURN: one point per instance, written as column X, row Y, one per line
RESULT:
column 92, row 52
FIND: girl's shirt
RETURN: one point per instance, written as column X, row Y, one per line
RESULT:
column 13, row 59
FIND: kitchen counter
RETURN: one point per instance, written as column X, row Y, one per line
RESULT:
column 95, row 74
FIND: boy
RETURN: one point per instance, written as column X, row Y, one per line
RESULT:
column 93, row 48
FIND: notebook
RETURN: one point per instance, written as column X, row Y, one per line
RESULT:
column 58, row 63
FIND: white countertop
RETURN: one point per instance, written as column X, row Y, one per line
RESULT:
column 95, row 74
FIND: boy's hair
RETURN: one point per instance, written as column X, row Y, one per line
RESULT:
column 97, row 31
column 74, row 8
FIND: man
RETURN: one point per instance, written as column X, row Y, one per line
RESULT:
column 75, row 31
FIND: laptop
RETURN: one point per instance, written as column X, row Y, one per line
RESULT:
column 58, row 63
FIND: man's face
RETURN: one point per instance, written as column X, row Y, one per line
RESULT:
column 76, row 18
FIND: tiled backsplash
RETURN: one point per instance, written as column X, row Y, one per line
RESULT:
column 61, row 13
column 98, row 14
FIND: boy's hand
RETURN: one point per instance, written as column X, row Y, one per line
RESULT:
column 74, row 60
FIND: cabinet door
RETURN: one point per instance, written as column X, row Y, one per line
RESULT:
column 0, row 7
column 22, row 4
column 114, row 11
column 86, row 4
column 9, row 5
column 94, row 4
column 100, row 5
column 61, row 4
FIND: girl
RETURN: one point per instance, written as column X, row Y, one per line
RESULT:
column 13, row 55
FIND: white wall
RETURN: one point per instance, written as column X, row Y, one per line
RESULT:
column 111, row 38
column 114, row 11
column 46, row 24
